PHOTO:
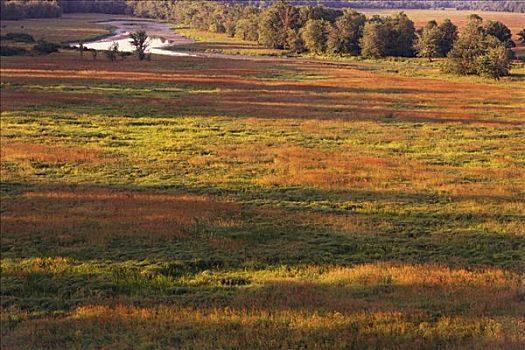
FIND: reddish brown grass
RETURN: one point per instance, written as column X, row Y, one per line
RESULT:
column 114, row 213
column 50, row 153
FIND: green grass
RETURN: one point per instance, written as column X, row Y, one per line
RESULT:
column 66, row 29
column 159, row 205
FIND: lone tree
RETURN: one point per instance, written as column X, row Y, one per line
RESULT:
column 139, row 39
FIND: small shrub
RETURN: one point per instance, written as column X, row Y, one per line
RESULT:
column 43, row 47
column 12, row 51
column 19, row 37
column 113, row 52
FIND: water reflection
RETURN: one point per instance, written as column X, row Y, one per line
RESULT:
column 160, row 38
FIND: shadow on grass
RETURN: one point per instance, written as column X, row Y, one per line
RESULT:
column 272, row 275
column 359, row 314
column 249, row 228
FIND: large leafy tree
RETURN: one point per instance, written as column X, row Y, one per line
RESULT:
column 401, row 35
column 469, row 46
column 436, row 40
column 449, row 34
column 314, row 34
column 247, row 28
column 476, row 52
column 496, row 60
column 345, row 34
column 389, row 36
column 428, row 42
column 500, row 31
column 373, row 42
column 275, row 23
column 295, row 42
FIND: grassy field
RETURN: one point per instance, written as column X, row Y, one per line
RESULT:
column 206, row 203
column 221, row 43
column 70, row 27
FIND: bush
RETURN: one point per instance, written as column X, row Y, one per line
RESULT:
column 43, row 47
column 18, row 37
column 12, row 51
column 113, row 52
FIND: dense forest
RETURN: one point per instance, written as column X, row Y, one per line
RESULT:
column 19, row 9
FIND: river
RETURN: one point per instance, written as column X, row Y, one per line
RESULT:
column 160, row 37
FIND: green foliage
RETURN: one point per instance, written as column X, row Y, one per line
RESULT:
column 373, row 42
column 428, row 43
column 496, row 60
column 29, row 9
column 317, row 13
column 247, row 28
column 294, row 41
column 401, row 35
column 501, row 32
column 449, row 34
column 469, row 46
column 476, row 52
column 345, row 35
column 315, row 34
column 388, row 36
column 275, row 22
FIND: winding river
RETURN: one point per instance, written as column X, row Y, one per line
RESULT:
column 160, row 37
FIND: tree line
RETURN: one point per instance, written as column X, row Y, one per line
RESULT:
column 20, row 9
column 481, row 48
column 490, row 5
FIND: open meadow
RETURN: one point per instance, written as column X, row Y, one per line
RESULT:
column 198, row 203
